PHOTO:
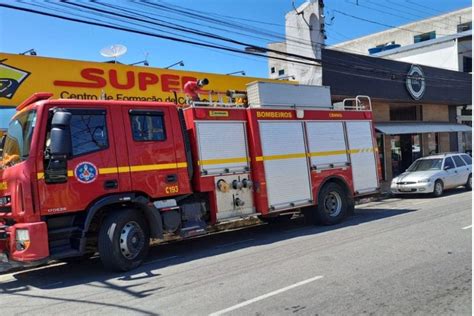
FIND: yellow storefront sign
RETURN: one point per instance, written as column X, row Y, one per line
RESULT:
column 21, row 76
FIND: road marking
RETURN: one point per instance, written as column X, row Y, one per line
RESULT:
column 262, row 297
column 467, row 227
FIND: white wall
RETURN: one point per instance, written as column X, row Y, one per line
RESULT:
column 301, row 39
column 441, row 55
column 308, row 41
column 444, row 24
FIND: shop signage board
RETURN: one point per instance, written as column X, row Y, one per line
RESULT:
column 21, row 76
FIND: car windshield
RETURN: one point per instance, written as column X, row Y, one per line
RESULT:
column 426, row 164
column 18, row 139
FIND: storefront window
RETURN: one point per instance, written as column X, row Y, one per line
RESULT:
column 380, row 146
column 416, row 147
column 406, row 148
column 432, row 143
column 402, row 112
column 396, row 155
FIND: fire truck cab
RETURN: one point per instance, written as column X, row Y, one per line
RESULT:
column 86, row 176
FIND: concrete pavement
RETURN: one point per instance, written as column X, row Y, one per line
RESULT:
column 397, row 256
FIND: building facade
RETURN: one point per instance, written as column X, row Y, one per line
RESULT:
column 420, row 31
column 414, row 107
column 443, row 41
column 304, row 29
column 413, row 74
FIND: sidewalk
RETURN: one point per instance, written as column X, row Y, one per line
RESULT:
column 385, row 194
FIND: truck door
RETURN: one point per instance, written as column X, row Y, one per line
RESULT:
column 151, row 151
column 92, row 168
column 361, row 150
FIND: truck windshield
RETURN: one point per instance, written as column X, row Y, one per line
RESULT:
column 18, row 139
column 426, row 164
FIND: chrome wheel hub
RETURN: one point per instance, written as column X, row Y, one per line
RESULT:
column 333, row 204
column 132, row 240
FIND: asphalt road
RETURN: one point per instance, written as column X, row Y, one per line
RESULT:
column 398, row 256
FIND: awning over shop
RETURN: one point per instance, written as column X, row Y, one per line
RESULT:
column 390, row 128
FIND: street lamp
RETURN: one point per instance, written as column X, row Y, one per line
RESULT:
column 236, row 72
column 180, row 63
column 145, row 62
column 32, row 52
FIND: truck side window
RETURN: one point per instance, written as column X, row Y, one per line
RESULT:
column 88, row 132
column 147, row 126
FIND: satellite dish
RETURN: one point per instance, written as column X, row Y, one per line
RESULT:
column 113, row 51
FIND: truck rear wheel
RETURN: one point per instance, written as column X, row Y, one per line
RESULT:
column 332, row 207
column 124, row 239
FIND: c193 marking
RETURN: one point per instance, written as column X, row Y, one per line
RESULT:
column 172, row 189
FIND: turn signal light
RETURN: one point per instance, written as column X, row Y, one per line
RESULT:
column 22, row 239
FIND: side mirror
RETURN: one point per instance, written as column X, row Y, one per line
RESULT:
column 60, row 148
column 447, row 167
column 2, row 144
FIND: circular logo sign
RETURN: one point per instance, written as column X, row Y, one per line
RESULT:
column 86, row 172
column 415, row 82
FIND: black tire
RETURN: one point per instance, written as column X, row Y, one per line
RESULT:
column 124, row 239
column 468, row 185
column 438, row 188
column 333, row 206
column 276, row 219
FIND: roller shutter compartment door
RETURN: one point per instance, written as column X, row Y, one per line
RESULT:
column 222, row 147
column 327, row 144
column 285, row 163
column 361, row 150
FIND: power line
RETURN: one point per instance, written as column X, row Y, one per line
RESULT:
column 390, row 13
column 193, row 31
column 213, row 46
column 120, row 28
column 204, row 17
column 144, row 14
column 376, row 22
column 410, row 12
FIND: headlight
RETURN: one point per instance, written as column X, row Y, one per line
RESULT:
column 424, row 180
column 394, row 180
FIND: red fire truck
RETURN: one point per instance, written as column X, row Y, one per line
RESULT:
column 86, row 176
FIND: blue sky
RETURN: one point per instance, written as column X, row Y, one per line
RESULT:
column 51, row 37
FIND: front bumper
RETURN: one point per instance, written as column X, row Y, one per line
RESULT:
column 415, row 188
column 14, row 255
column 6, row 264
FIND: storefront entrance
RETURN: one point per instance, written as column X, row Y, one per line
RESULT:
column 405, row 149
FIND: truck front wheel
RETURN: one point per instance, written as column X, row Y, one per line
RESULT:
column 332, row 208
column 124, row 239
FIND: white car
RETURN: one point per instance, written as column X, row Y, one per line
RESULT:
column 434, row 174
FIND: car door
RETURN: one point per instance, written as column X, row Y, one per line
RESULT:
column 461, row 169
column 450, row 174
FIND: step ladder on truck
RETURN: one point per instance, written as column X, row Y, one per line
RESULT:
column 86, row 176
